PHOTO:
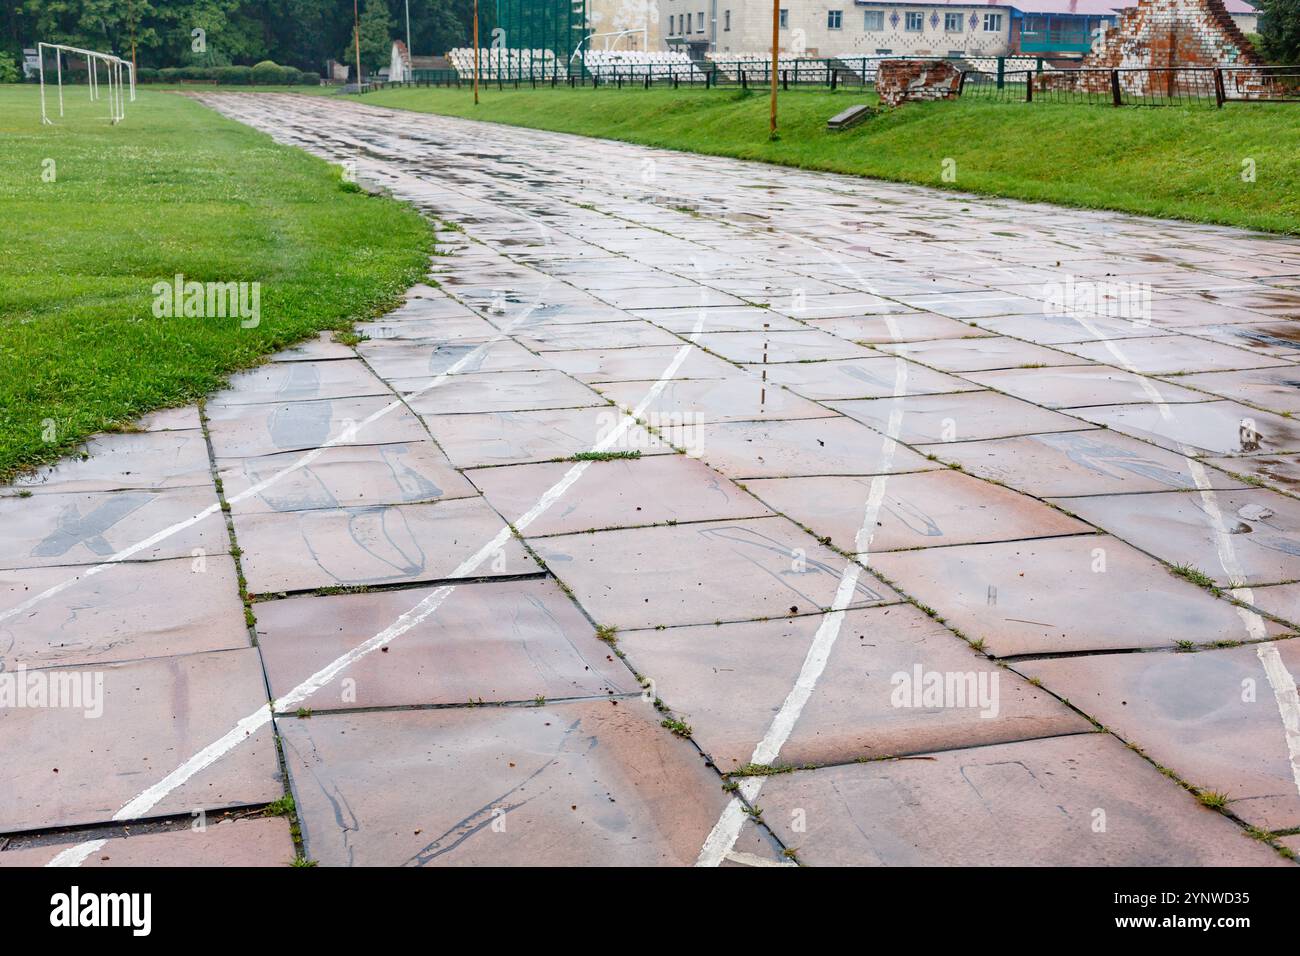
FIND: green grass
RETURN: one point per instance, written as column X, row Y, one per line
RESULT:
column 174, row 189
column 1179, row 162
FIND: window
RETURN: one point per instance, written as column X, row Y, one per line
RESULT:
column 915, row 22
column 883, row 52
column 952, row 23
column 785, row 19
column 834, row 19
column 700, row 22
column 671, row 28
column 874, row 20
column 992, row 23
column 726, row 20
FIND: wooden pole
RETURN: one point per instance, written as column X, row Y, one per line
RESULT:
column 776, row 40
column 356, row 39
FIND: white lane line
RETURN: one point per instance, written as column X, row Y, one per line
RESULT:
column 346, row 436
column 152, row 796
column 722, row 838
column 1284, row 691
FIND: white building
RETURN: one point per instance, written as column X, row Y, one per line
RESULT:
column 866, row 28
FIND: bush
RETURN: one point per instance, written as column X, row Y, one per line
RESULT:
column 8, row 69
column 267, row 73
column 147, row 74
column 309, row 79
column 170, row 74
column 233, row 75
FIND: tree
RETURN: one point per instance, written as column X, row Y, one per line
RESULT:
column 1279, row 28
column 376, row 37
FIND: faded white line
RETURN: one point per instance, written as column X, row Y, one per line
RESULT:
column 151, row 797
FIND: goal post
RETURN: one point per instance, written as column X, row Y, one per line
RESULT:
column 118, row 72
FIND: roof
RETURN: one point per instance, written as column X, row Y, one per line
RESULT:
column 1092, row 8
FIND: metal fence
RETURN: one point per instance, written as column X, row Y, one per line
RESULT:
column 1154, row 86
column 1157, row 86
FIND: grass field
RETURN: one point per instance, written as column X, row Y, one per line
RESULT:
column 1178, row 162
column 174, row 189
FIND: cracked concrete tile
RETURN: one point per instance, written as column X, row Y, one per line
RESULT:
column 1072, row 386
column 1217, row 428
column 1211, row 717
column 637, row 364
column 701, row 573
column 341, row 476
column 374, row 544
column 1166, row 354
column 1276, row 389
column 876, row 377
column 1045, row 329
column 503, row 392
column 67, row 767
column 1059, row 464
column 248, row 431
column 807, row 345
column 904, row 327
column 299, row 382
column 411, row 366
column 85, row 528
column 1251, row 536
column 487, row 642
column 971, row 355
column 923, row 510
column 1280, row 600
column 822, row 446
column 595, row 784
column 125, row 612
column 701, row 401
column 255, row 841
column 510, row 438
column 1031, row 803
column 737, row 318
column 149, row 460
column 321, row 348
column 729, row 681
column 616, row 494
column 1046, row 596
column 596, row 335
column 967, row 416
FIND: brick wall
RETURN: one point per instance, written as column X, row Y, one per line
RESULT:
column 1169, row 33
column 902, row 81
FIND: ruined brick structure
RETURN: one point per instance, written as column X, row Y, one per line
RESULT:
column 901, row 81
column 1160, row 34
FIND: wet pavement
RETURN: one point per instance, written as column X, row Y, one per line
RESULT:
column 694, row 512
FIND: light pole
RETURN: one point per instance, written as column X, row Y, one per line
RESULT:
column 409, row 52
column 475, row 52
column 776, row 39
column 356, row 39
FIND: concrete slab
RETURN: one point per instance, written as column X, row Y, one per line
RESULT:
column 511, row 438
column 582, row 784
column 148, row 460
column 255, row 841
column 970, row 355
column 1045, row 596
column 67, row 767
column 136, row 609
column 1035, row 803
column 924, row 510
column 488, row 642
column 249, row 431
column 701, row 401
column 1211, row 717
column 1236, row 537
column 728, row 681
column 1204, row 427
column 701, row 573
column 968, row 416
column 1071, row 386
column 616, row 494
column 374, row 544
column 822, row 446
column 877, row 377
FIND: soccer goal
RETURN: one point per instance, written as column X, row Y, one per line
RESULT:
column 119, row 74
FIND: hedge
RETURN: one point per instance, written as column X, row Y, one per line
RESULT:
column 265, row 73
